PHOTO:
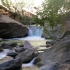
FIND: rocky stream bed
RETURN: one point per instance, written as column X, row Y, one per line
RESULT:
column 56, row 57
column 13, row 47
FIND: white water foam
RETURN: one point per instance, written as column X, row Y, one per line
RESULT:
column 3, row 53
column 30, row 38
column 34, row 33
column 29, row 64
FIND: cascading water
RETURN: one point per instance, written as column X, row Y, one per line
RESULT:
column 35, row 31
column 29, row 64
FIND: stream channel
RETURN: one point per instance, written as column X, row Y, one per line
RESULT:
column 35, row 40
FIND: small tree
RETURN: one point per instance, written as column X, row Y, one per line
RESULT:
column 52, row 10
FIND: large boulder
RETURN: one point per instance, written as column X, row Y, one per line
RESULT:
column 55, row 66
column 27, row 55
column 58, row 53
column 11, row 65
column 9, row 28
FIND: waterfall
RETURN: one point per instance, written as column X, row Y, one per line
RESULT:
column 34, row 33
column 29, row 64
column 35, row 30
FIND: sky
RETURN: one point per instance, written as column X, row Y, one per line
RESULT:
column 29, row 4
column 35, row 2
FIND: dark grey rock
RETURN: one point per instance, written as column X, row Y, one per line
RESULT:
column 13, row 44
column 11, row 65
column 22, row 45
column 27, row 55
column 12, row 54
column 59, row 52
column 6, row 45
column 10, row 28
column 19, row 49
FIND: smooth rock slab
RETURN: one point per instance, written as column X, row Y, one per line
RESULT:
column 10, row 28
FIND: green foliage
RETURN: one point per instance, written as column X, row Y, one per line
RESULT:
column 25, row 20
column 37, row 20
column 52, row 10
